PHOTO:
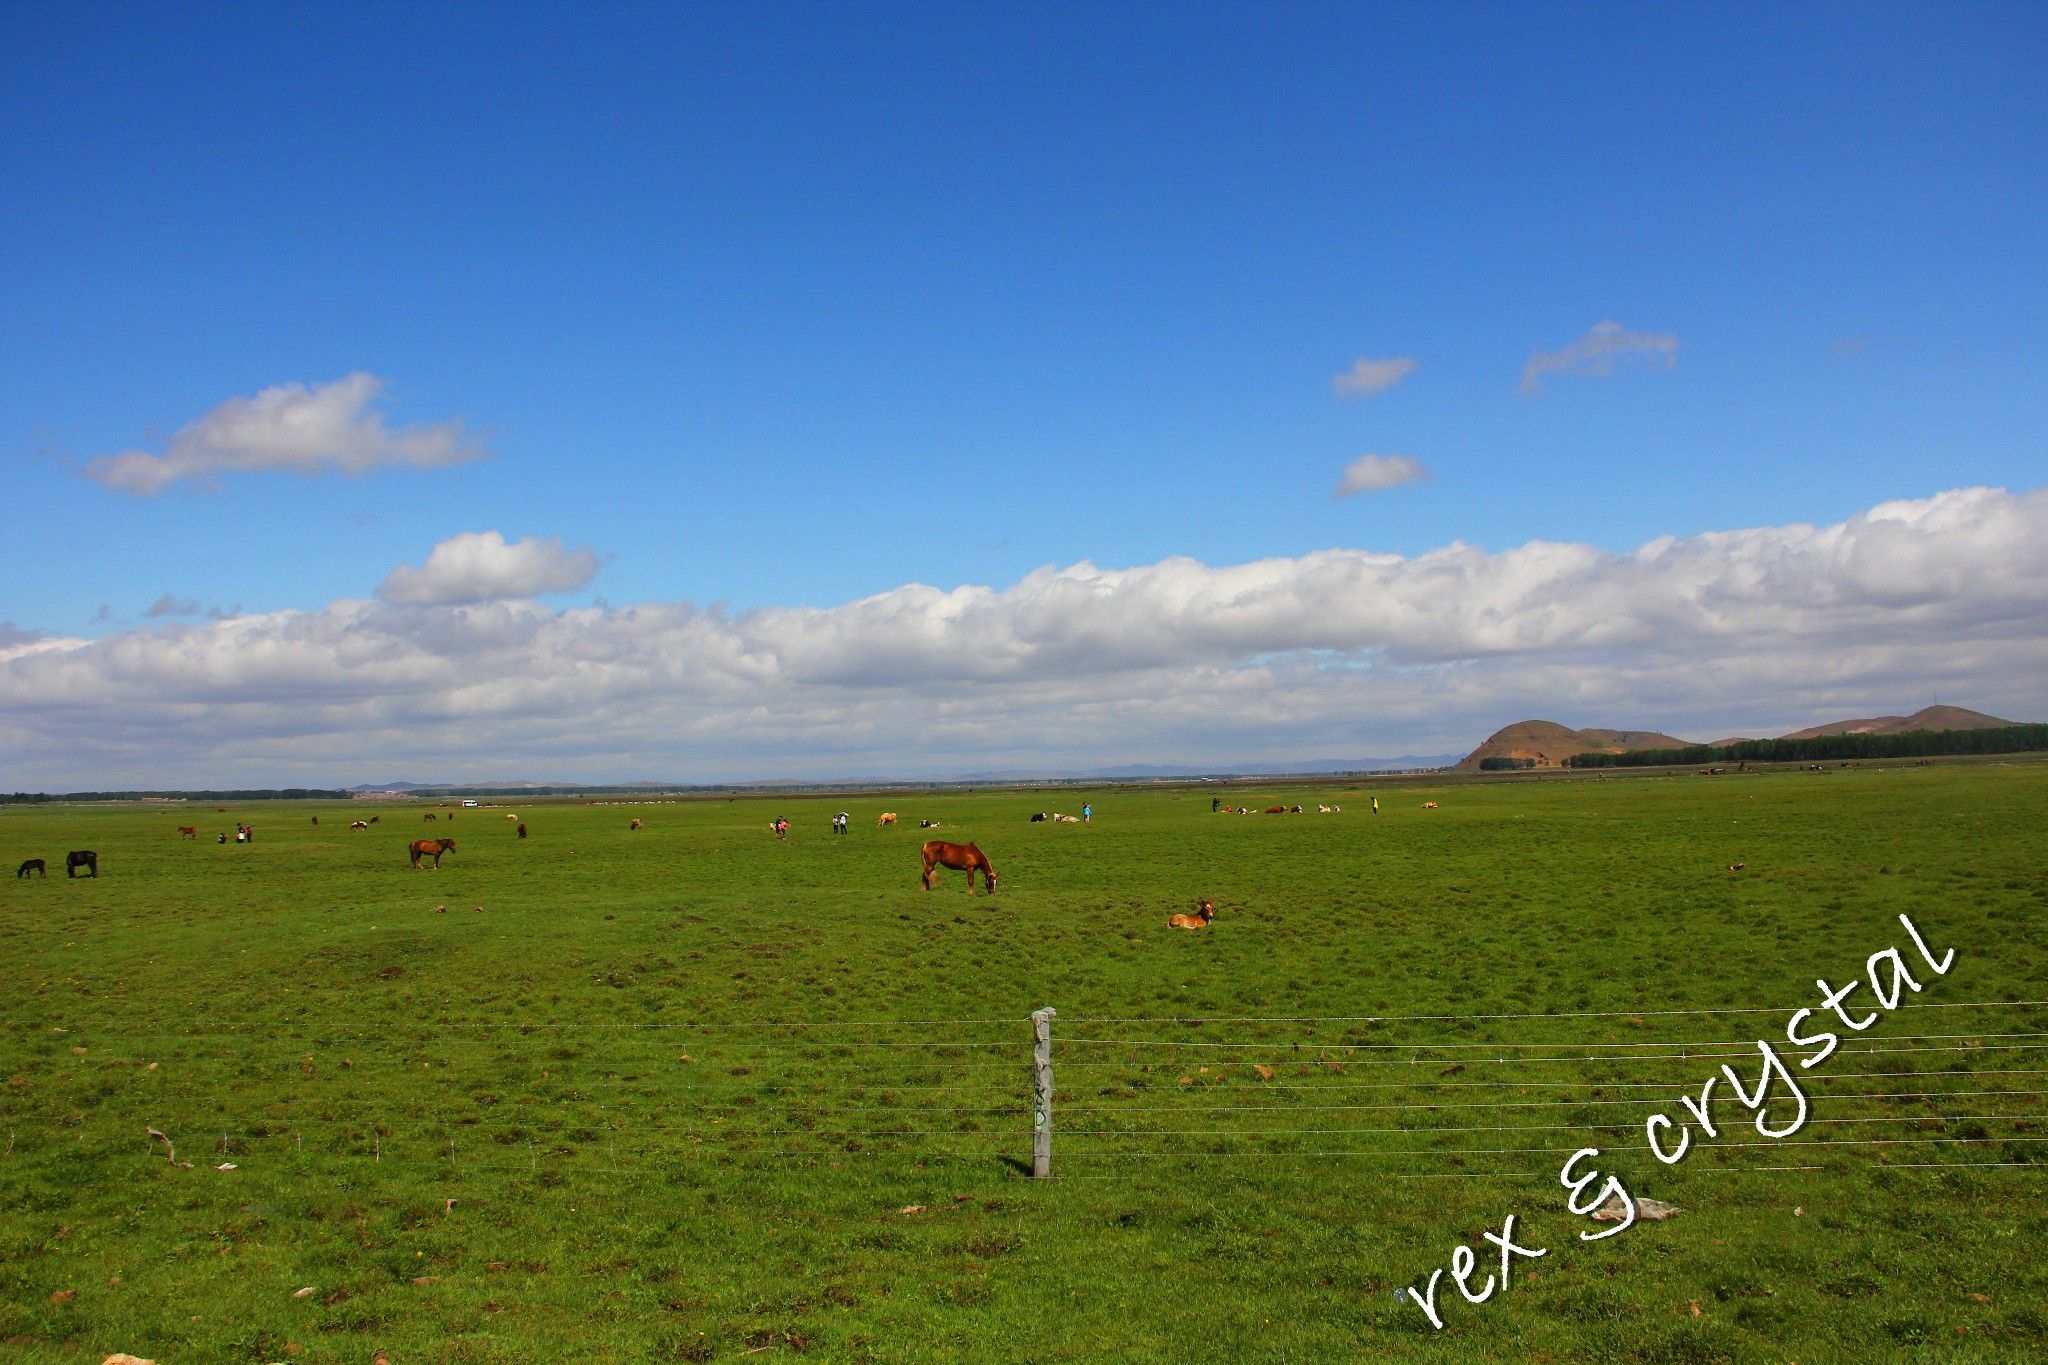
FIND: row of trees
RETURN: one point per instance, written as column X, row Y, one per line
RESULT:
column 2002, row 739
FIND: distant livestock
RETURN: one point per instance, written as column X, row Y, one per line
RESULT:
column 1429, row 805
column 429, row 848
column 888, row 817
column 1276, row 810
column 635, row 825
column 430, row 816
column 1204, row 912
column 187, row 832
column 1038, row 818
column 29, row 865
column 360, row 824
column 84, row 858
column 511, row 817
column 959, row 857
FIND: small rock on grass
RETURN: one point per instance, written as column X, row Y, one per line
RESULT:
column 301, row 1293
column 1613, row 1211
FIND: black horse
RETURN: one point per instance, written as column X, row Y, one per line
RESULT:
column 29, row 865
column 78, row 858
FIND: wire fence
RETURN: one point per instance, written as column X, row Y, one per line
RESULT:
column 1416, row 1096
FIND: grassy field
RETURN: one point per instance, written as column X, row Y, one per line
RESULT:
column 668, row 1094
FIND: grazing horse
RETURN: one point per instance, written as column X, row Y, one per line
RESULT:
column 431, row 816
column 375, row 818
column 29, row 865
column 1204, row 912
column 429, row 848
column 187, row 832
column 81, row 858
column 959, row 857
column 888, row 818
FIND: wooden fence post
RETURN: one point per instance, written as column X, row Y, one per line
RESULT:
column 1041, row 1092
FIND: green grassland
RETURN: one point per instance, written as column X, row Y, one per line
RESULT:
column 663, row 1094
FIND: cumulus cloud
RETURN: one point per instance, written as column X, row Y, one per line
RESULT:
column 1370, row 473
column 478, row 566
column 1368, row 377
column 1337, row 651
column 12, row 635
column 168, row 605
column 1596, row 354
column 321, row 428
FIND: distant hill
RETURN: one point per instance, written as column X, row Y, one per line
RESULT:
column 1546, row 744
column 1927, row 718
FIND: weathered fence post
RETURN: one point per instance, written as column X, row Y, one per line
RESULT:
column 1041, row 1092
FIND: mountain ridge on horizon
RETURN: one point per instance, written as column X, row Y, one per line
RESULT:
column 1306, row 768
column 1547, row 744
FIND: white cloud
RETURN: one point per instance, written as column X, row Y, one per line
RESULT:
column 12, row 635
column 1604, row 346
column 478, row 566
column 324, row 428
column 1335, row 652
column 1368, row 377
column 1370, row 473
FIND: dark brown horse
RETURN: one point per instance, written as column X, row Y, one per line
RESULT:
column 961, row 858
column 84, row 858
column 429, row 848
column 29, row 865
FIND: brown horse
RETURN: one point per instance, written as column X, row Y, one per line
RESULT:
column 429, row 848
column 959, row 857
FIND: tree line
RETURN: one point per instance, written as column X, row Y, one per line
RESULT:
column 2002, row 739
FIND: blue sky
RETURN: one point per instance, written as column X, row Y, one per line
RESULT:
column 787, row 306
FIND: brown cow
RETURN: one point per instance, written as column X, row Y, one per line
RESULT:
column 1276, row 810
column 888, row 818
column 429, row 848
column 187, row 832
column 1204, row 912
column 960, row 857
column 636, row 824
column 430, row 816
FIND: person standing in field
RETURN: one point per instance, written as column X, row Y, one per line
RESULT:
column 1086, row 811
column 1375, row 805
